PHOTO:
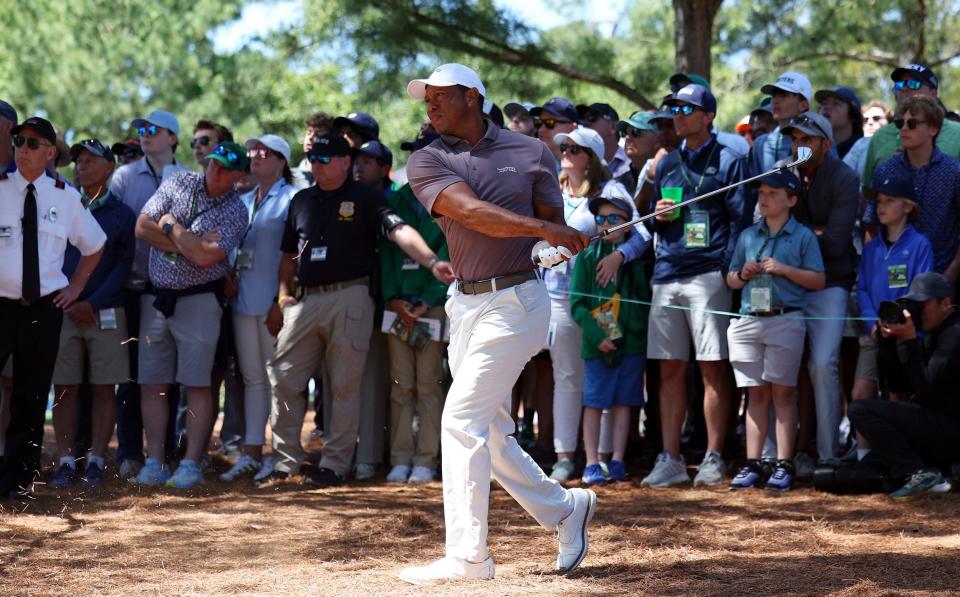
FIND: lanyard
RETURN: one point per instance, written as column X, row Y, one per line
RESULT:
column 773, row 245
column 684, row 170
column 193, row 205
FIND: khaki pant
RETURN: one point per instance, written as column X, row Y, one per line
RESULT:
column 417, row 387
column 335, row 327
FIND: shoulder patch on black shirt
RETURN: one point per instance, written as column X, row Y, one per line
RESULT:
column 60, row 184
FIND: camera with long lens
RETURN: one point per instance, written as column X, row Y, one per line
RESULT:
column 891, row 312
column 851, row 478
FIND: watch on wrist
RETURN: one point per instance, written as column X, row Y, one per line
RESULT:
column 740, row 275
column 167, row 228
column 432, row 262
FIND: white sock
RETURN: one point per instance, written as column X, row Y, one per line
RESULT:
column 94, row 459
column 69, row 461
column 861, row 452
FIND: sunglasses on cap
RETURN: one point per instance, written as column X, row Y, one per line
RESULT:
column 549, row 122
column 685, row 109
column 570, row 148
column 911, row 123
column 806, row 121
column 203, row 140
column 231, row 156
column 632, row 131
column 875, row 118
column 911, row 84
column 609, row 218
column 323, row 159
column 148, row 131
column 30, row 142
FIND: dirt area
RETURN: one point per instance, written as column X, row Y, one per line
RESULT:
column 232, row 538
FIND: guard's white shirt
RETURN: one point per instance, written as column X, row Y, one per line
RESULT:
column 61, row 217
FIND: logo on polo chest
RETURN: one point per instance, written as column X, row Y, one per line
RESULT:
column 347, row 209
column 507, row 169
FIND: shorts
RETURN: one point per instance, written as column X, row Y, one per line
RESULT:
column 604, row 387
column 766, row 349
column 180, row 348
column 671, row 330
column 867, row 367
column 104, row 350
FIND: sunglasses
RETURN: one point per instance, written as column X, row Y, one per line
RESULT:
column 685, row 109
column 911, row 123
column 31, row 142
column 549, row 122
column 323, row 159
column 875, row 118
column 610, row 219
column 259, row 152
column 231, row 156
column 805, row 121
column 148, row 131
column 570, row 148
column 911, row 84
column 202, row 140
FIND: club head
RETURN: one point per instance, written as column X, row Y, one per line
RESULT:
column 803, row 154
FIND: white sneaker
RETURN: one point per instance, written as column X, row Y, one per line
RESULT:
column 420, row 474
column 572, row 530
column 266, row 467
column 447, row 569
column 667, row 472
column 712, row 471
column 244, row 465
column 365, row 472
column 399, row 473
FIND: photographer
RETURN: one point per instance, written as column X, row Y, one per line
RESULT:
column 910, row 437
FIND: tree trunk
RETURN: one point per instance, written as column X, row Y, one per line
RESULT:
column 694, row 34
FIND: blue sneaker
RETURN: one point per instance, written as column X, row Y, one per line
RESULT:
column 152, row 473
column 65, row 476
column 748, row 476
column 186, row 476
column 93, row 475
column 616, row 471
column 593, row 475
column 782, row 477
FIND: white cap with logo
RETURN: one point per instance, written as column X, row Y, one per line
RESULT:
column 792, row 82
column 446, row 75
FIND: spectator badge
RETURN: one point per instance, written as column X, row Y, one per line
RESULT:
column 696, row 230
column 897, row 275
column 346, row 210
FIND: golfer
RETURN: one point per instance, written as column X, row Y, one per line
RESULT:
column 494, row 193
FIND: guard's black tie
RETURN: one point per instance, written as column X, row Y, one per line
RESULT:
column 31, row 250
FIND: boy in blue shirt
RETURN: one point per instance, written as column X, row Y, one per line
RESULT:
column 775, row 263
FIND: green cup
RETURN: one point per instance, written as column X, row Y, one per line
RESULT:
column 674, row 194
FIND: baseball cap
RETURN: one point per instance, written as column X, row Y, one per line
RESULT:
column 231, row 155
column 38, row 125
column 584, row 137
column 511, row 109
column 378, row 151
column 844, row 94
column 681, row 80
column 811, row 123
column 8, row 112
column 641, row 119
column 420, row 142
column 558, row 106
column 594, row 204
column 329, row 145
column 604, row 110
column 900, row 187
column 790, row 81
column 493, row 112
column 921, row 71
column 272, row 142
column 696, row 95
column 358, row 120
column 765, row 106
column 128, row 145
column 94, row 146
column 160, row 118
column 781, row 179
column 929, row 285
column 446, row 75
column 744, row 125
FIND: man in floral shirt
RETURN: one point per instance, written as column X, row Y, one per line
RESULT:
column 191, row 224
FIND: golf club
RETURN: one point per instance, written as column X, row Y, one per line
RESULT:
column 803, row 154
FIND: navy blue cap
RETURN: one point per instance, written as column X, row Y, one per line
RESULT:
column 94, row 146
column 844, row 94
column 8, row 112
column 695, row 95
column 329, row 145
column 41, row 126
column 782, row 179
column 377, row 151
column 929, row 285
column 420, row 142
column 359, row 120
column 558, row 106
column 604, row 110
column 622, row 204
column 921, row 71
column 895, row 186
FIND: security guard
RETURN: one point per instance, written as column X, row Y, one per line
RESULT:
column 329, row 243
column 38, row 216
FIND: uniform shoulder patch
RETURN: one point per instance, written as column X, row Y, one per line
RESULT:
column 60, row 184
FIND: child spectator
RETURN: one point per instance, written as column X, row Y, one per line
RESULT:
column 775, row 262
column 614, row 339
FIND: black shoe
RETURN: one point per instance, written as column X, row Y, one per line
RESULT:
column 322, row 477
column 273, row 478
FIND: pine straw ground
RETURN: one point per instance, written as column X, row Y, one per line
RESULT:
column 235, row 539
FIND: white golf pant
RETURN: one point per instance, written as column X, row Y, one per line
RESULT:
column 492, row 337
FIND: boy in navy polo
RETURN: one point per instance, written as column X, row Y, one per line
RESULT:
column 775, row 262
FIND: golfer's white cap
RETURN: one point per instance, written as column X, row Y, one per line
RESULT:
column 273, row 142
column 446, row 75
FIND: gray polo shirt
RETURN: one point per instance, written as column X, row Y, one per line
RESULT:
column 507, row 169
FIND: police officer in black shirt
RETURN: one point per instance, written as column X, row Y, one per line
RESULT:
column 329, row 245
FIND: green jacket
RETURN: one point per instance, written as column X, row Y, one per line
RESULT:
column 632, row 285
column 395, row 282
column 886, row 141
